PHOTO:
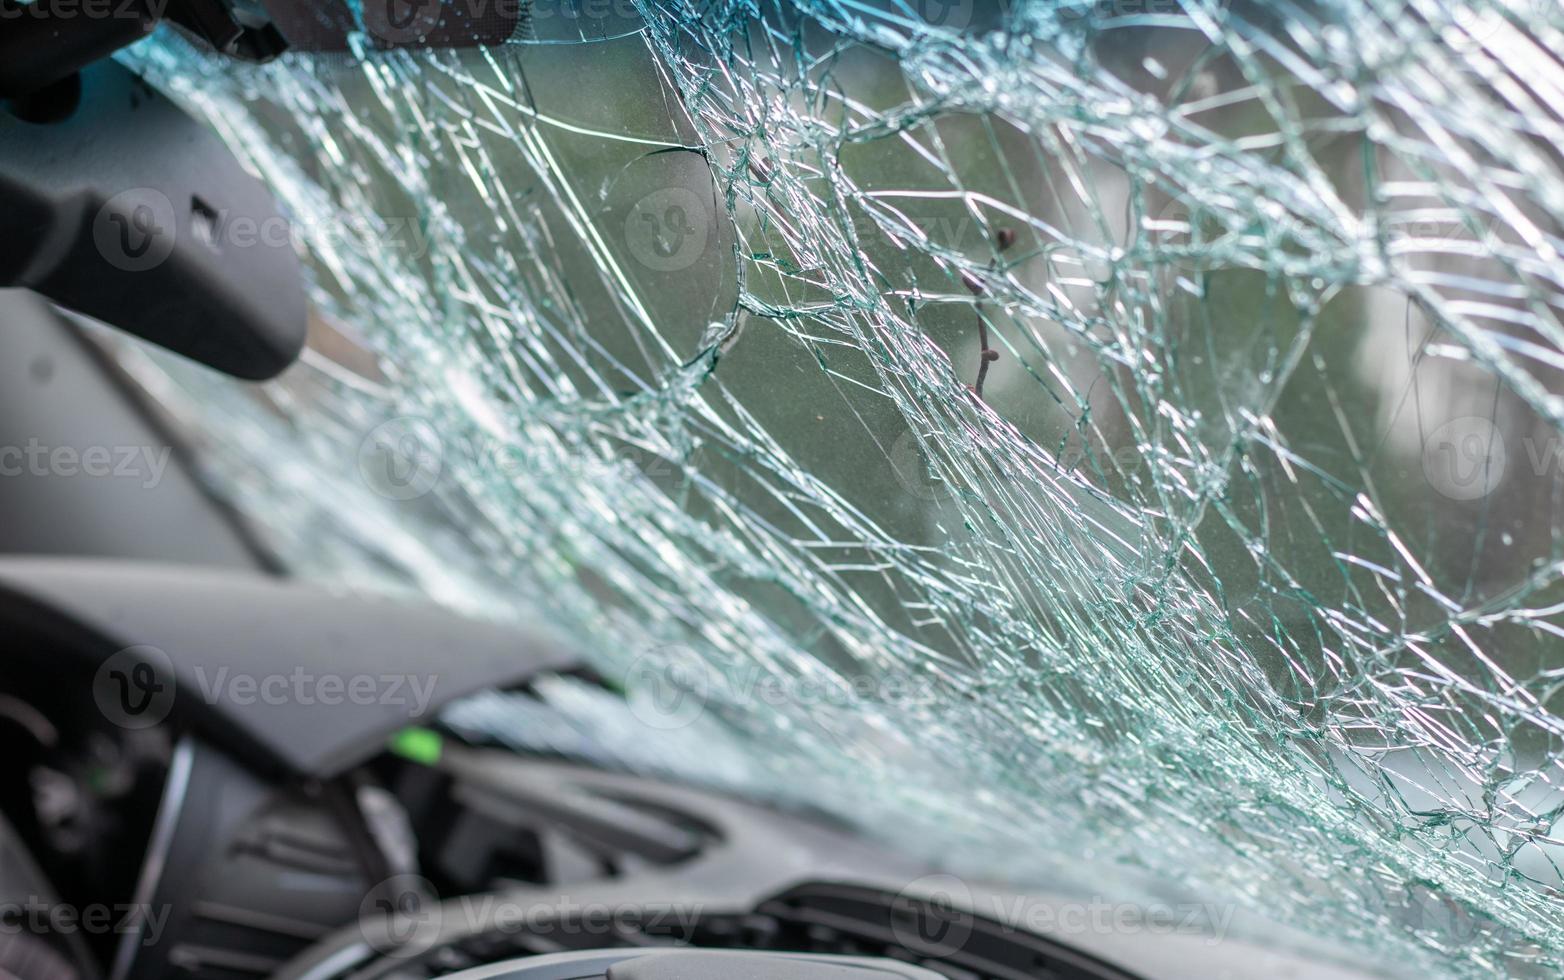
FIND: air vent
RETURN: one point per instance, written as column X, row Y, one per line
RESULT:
column 518, row 825
column 846, row 919
column 248, row 916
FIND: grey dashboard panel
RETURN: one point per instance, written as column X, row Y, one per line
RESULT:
column 61, row 401
column 289, row 675
column 755, row 853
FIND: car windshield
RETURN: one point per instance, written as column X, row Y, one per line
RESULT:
column 1111, row 444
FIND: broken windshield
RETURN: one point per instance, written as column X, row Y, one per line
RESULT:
column 1109, row 443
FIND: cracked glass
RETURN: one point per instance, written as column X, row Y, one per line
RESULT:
column 1109, row 442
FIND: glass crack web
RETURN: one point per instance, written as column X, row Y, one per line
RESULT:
column 1089, row 441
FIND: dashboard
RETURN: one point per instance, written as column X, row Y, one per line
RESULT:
column 213, row 825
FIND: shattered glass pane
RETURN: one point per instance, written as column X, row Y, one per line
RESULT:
column 1126, row 433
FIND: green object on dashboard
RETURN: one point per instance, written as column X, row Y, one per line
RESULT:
column 421, row 745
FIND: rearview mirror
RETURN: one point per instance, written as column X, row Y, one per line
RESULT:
column 122, row 207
